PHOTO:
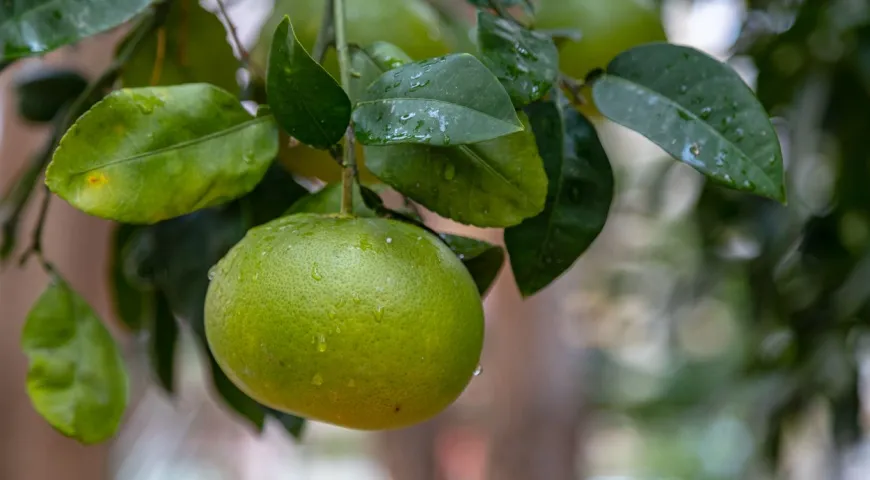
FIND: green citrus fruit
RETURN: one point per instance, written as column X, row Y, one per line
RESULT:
column 607, row 28
column 365, row 323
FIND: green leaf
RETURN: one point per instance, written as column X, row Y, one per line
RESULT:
column 328, row 201
column 483, row 260
column 369, row 63
column 578, row 198
column 527, row 4
column 76, row 379
column 37, row 26
column 195, row 50
column 293, row 424
column 242, row 404
column 525, row 62
column 698, row 110
column 147, row 154
column 162, row 344
column 497, row 183
column 44, row 92
column 451, row 100
column 305, row 99
column 133, row 305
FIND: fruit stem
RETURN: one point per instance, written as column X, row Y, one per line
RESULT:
column 348, row 172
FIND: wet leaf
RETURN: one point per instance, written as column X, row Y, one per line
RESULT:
column 76, row 377
column 483, row 260
column 370, row 62
column 163, row 341
column 306, row 100
column 195, row 50
column 38, row 26
column 147, row 154
column 497, row 183
column 578, row 199
column 525, row 62
column 698, row 110
column 451, row 100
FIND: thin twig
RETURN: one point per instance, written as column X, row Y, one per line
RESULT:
column 326, row 35
column 349, row 165
column 573, row 86
column 234, row 35
column 35, row 247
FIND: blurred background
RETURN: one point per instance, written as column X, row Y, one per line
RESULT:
column 706, row 335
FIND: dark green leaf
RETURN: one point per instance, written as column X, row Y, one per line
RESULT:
column 451, row 100
column 195, row 49
column 328, row 201
column 242, row 404
column 503, row 3
column 162, row 343
column 293, row 424
column 29, row 27
column 483, row 260
column 134, row 306
column 305, row 99
column 497, row 183
column 578, row 198
column 369, row 63
column 272, row 197
column 76, row 378
column 44, row 91
column 698, row 110
column 147, row 154
column 525, row 62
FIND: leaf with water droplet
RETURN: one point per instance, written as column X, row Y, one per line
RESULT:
column 307, row 102
column 496, row 183
column 697, row 109
column 120, row 163
column 482, row 260
column 454, row 96
column 578, row 199
column 525, row 62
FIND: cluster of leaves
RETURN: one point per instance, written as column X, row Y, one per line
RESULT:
column 488, row 140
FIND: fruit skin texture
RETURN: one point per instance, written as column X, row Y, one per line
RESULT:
column 365, row 323
column 607, row 26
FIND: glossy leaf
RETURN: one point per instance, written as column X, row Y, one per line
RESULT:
column 483, row 260
column 451, row 100
column 195, row 49
column 369, row 63
column 162, row 343
column 698, row 110
column 578, row 199
column 497, row 183
column 38, row 26
column 305, row 99
column 76, row 378
column 525, row 62
column 147, row 154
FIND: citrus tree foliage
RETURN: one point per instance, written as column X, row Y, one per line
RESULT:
column 493, row 139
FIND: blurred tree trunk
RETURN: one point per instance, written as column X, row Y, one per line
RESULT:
column 77, row 244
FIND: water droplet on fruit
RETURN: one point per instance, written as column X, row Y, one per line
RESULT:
column 379, row 313
column 212, row 272
column 478, row 371
column 355, row 298
column 317, row 380
column 449, row 171
column 321, row 343
column 351, row 383
column 315, row 274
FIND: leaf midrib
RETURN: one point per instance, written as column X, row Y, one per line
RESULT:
column 177, row 146
column 745, row 158
column 478, row 159
column 516, row 127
